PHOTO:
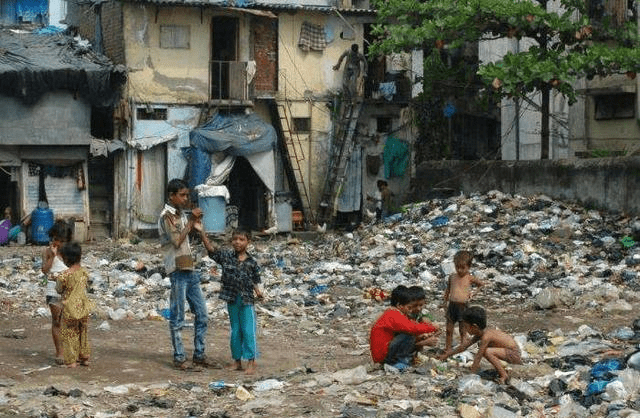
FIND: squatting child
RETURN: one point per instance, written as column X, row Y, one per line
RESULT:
column 240, row 280
column 76, row 307
column 493, row 344
column 457, row 296
column 395, row 338
column 52, row 265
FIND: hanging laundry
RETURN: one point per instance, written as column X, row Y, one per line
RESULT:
column 312, row 37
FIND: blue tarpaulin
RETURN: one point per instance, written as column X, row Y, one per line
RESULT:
column 237, row 135
column 29, row 10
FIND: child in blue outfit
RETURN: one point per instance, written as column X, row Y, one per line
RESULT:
column 240, row 279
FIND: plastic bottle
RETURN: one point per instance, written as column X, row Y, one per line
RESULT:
column 217, row 385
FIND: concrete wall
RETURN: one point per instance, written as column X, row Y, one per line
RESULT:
column 311, row 71
column 56, row 119
column 160, row 75
column 605, row 183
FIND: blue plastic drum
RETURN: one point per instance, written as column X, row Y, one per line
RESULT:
column 41, row 222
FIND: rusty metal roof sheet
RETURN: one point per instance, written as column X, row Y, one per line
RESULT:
column 264, row 5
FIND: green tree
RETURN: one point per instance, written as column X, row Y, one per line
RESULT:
column 572, row 41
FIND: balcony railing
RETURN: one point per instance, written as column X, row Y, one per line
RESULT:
column 229, row 80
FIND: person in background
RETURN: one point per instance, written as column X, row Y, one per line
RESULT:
column 76, row 307
column 240, row 279
column 351, row 70
column 52, row 265
column 174, row 227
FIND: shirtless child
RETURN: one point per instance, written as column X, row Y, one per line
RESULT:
column 458, row 295
column 494, row 345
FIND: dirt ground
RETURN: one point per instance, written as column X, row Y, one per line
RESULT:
column 135, row 351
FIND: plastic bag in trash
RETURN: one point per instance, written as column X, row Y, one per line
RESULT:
column 596, row 387
column 440, row 221
column 634, row 360
column 318, row 289
column 603, row 369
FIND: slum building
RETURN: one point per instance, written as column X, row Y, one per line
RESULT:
column 197, row 68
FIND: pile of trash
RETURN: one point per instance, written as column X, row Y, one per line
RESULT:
column 536, row 254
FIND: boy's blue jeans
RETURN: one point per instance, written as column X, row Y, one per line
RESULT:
column 185, row 285
column 401, row 349
column 242, row 319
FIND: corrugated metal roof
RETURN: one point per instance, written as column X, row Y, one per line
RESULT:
column 32, row 64
column 322, row 8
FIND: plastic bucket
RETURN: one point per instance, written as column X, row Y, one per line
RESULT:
column 214, row 213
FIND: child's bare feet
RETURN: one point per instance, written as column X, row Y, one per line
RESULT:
column 251, row 367
column 72, row 365
column 503, row 380
column 236, row 366
column 84, row 362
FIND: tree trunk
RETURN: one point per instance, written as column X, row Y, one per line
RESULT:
column 544, row 132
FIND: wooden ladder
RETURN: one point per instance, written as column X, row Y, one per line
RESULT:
column 341, row 149
column 292, row 149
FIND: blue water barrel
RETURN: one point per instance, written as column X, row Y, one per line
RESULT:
column 214, row 213
column 41, row 222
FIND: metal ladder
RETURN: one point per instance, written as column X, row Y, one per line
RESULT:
column 294, row 155
column 341, row 149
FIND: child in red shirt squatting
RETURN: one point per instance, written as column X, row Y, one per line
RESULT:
column 395, row 338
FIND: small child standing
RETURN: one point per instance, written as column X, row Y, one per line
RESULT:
column 240, row 279
column 395, row 338
column 494, row 345
column 52, row 265
column 457, row 297
column 76, row 306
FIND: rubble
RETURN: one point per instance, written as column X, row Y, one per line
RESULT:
column 537, row 254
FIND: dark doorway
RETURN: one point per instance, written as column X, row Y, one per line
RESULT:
column 100, row 177
column 9, row 195
column 248, row 195
column 224, row 51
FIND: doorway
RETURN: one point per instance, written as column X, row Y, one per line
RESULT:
column 224, row 52
column 9, row 198
column 247, row 193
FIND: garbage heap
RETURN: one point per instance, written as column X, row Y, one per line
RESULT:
column 536, row 254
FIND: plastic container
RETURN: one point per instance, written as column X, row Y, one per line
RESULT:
column 214, row 213
column 283, row 216
column 5, row 226
column 41, row 222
